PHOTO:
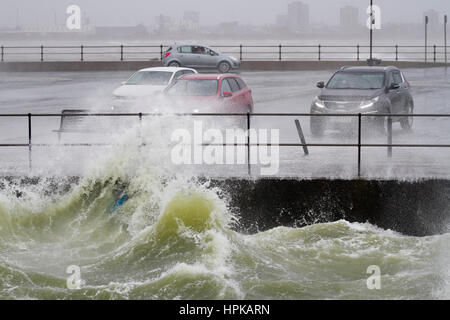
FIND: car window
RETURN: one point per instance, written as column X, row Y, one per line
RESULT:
column 193, row 88
column 241, row 83
column 397, row 77
column 185, row 49
column 178, row 74
column 225, row 87
column 233, row 84
column 357, row 80
column 155, row 78
column 198, row 50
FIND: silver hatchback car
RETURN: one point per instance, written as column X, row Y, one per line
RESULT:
column 196, row 56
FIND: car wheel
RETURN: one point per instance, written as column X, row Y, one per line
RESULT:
column 174, row 64
column 407, row 122
column 317, row 126
column 224, row 67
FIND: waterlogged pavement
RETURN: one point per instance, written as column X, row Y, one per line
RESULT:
column 273, row 92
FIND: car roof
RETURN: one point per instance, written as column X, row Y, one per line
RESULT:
column 208, row 76
column 166, row 69
column 368, row 69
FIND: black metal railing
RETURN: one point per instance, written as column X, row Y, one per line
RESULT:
column 389, row 145
column 280, row 52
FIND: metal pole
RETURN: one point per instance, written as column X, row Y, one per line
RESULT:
column 42, row 53
column 302, row 137
column 434, row 53
column 29, row 143
column 3, row 53
column 279, row 52
column 240, row 52
column 161, row 51
column 359, row 145
column 357, row 52
column 371, row 29
column 319, row 51
column 249, row 166
column 389, row 137
column 396, row 52
column 121, row 52
column 82, row 52
column 445, row 37
column 426, row 38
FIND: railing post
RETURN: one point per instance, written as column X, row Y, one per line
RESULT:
column 279, row 52
column 249, row 165
column 319, row 51
column 140, row 128
column 359, row 145
column 82, row 52
column 434, row 53
column 121, row 52
column 3, row 53
column 42, row 53
column 161, row 51
column 396, row 52
column 389, row 137
column 240, row 52
column 29, row 143
column 357, row 53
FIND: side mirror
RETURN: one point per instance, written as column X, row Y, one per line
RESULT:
column 124, row 83
column 212, row 53
column 321, row 84
column 227, row 94
column 394, row 86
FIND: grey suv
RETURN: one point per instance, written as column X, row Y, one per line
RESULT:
column 365, row 90
column 195, row 56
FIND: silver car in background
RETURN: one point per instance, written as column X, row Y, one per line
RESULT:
column 197, row 56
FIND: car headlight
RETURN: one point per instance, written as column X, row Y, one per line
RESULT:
column 319, row 103
column 234, row 59
column 369, row 103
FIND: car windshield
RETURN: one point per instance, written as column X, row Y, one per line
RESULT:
column 154, row 78
column 357, row 80
column 193, row 88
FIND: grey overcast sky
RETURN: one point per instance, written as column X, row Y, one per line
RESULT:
column 133, row 12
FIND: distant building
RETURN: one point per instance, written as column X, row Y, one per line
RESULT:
column 298, row 16
column 191, row 21
column 433, row 17
column 349, row 18
column 164, row 24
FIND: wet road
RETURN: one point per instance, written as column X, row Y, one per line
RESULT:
column 273, row 92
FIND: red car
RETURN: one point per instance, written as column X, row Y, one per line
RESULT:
column 206, row 92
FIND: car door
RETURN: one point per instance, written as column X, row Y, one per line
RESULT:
column 394, row 95
column 186, row 57
column 238, row 95
column 209, row 58
column 227, row 102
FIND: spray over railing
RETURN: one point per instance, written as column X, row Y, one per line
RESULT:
column 358, row 144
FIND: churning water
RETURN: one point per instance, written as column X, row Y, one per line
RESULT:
column 174, row 238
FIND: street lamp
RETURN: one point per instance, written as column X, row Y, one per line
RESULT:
column 371, row 29
column 426, row 37
column 445, row 38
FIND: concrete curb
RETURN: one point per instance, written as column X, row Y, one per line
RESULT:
column 82, row 66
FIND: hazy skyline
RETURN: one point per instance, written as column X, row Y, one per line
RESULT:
column 256, row 12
